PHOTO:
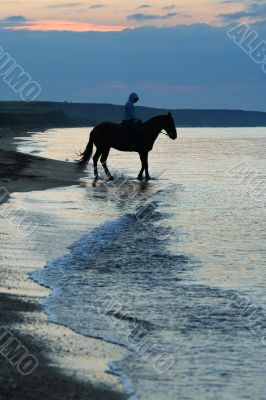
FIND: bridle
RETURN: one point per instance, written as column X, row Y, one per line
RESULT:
column 165, row 133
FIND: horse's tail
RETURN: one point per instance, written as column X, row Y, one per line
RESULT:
column 85, row 156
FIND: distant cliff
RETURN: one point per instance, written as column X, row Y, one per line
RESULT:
column 32, row 115
column 45, row 114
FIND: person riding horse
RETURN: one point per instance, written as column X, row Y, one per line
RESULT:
column 131, row 122
column 108, row 135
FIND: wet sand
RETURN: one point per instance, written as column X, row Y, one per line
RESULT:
column 70, row 366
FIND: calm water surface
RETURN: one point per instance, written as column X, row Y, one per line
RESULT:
column 173, row 269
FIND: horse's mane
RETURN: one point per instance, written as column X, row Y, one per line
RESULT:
column 154, row 119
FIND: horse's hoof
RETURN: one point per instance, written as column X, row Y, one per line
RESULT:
column 148, row 178
column 96, row 178
column 111, row 178
column 139, row 178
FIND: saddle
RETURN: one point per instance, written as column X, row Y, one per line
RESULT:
column 132, row 130
column 131, row 127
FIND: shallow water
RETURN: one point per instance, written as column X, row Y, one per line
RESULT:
column 174, row 270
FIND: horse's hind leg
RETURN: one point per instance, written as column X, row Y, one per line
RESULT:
column 95, row 161
column 104, row 157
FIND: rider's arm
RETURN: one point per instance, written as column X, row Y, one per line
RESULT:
column 130, row 111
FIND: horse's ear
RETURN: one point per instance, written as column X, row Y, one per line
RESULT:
column 170, row 115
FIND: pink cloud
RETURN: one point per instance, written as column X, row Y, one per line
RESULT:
column 64, row 25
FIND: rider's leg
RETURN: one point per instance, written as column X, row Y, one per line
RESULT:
column 137, row 133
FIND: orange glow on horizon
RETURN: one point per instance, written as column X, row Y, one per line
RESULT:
column 63, row 25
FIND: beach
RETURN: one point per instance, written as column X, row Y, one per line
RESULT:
column 70, row 366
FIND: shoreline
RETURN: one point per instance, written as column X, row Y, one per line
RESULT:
column 70, row 366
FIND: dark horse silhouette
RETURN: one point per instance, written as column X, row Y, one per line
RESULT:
column 108, row 135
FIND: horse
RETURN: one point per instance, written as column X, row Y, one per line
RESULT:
column 109, row 135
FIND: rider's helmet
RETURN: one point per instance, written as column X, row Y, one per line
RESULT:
column 134, row 97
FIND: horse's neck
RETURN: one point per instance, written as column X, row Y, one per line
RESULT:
column 154, row 127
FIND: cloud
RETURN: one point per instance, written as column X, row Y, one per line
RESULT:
column 58, row 25
column 15, row 18
column 170, row 7
column 254, row 10
column 234, row 16
column 230, row 1
column 95, row 6
column 144, row 6
column 64, row 5
column 147, row 17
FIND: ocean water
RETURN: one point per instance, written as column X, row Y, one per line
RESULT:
column 173, row 269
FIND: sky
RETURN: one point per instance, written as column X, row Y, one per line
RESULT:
column 114, row 14
column 175, row 54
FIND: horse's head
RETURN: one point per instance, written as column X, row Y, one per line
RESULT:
column 170, row 127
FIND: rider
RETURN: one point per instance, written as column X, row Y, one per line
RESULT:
column 131, row 121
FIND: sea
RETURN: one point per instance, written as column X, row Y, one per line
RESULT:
column 173, row 270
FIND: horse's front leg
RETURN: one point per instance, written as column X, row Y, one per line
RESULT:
column 144, row 165
column 147, row 168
